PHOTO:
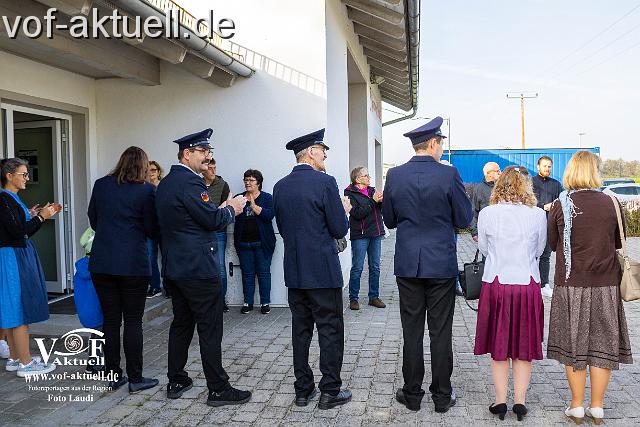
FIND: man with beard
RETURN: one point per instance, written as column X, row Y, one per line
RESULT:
column 188, row 222
column 425, row 200
column 311, row 216
column 546, row 190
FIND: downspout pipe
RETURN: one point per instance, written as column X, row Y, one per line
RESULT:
column 194, row 42
column 412, row 13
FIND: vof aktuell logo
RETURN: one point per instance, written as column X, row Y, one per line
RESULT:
column 74, row 345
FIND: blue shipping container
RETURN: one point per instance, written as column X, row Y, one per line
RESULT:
column 471, row 162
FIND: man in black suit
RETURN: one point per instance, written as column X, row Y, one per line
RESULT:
column 188, row 223
column 310, row 216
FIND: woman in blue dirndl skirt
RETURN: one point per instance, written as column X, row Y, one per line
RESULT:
column 23, row 292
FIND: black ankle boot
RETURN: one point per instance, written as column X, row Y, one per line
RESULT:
column 520, row 411
column 499, row 409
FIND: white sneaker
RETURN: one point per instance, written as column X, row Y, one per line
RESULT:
column 12, row 365
column 547, row 291
column 575, row 414
column 4, row 350
column 596, row 414
column 35, row 367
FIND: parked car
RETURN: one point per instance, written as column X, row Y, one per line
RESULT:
column 624, row 192
column 612, row 181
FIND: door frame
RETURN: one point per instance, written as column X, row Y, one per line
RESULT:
column 63, row 171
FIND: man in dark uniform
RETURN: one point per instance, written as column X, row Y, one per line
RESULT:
column 425, row 200
column 188, row 222
column 310, row 215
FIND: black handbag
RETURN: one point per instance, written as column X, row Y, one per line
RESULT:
column 471, row 278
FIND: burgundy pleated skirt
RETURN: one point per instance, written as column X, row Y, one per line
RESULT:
column 510, row 321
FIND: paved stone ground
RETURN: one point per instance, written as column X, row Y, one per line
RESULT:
column 257, row 356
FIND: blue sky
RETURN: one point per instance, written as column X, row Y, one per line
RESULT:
column 474, row 52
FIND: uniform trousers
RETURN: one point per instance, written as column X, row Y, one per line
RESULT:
column 324, row 308
column 197, row 302
column 436, row 299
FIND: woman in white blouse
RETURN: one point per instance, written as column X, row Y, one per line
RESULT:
column 511, row 234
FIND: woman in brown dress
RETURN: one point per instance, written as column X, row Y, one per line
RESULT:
column 587, row 327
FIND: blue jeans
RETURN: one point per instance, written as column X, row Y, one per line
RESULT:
column 152, row 247
column 222, row 247
column 359, row 247
column 255, row 262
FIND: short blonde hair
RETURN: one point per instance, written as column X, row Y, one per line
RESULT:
column 514, row 186
column 582, row 171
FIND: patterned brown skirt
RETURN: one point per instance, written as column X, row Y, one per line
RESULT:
column 587, row 326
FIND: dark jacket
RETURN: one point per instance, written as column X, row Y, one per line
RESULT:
column 264, row 221
column 188, row 222
column 14, row 227
column 545, row 189
column 310, row 218
column 123, row 217
column 425, row 200
column 365, row 218
column 479, row 201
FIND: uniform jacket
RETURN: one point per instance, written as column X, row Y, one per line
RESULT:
column 365, row 218
column 264, row 221
column 123, row 217
column 310, row 216
column 188, row 223
column 425, row 200
column 479, row 201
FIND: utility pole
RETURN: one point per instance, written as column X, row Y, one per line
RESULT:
column 522, row 97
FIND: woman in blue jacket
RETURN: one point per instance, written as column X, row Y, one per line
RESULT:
column 122, row 213
column 255, row 241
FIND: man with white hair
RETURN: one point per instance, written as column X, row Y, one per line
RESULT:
column 482, row 194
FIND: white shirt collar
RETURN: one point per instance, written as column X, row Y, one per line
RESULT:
column 187, row 167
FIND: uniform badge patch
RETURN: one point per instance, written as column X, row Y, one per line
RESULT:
column 204, row 196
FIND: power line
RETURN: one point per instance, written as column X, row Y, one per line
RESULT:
column 609, row 59
column 603, row 47
column 550, row 68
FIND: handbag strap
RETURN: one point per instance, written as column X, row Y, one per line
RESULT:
column 475, row 259
column 616, row 205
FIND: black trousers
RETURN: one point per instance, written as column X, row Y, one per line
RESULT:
column 122, row 297
column 324, row 308
column 544, row 265
column 197, row 302
column 436, row 299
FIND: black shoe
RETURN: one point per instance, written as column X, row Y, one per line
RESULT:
column 265, row 309
column 114, row 385
column 153, row 293
column 400, row 397
column 246, row 308
column 175, row 390
column 327, row 401
column 166, row 293
column 225, row 307
column 144, row 384
column 447, row 406
column 499, row 409
column 520, row 411
column 304, row 400
column 94, row 369
column 231, row 396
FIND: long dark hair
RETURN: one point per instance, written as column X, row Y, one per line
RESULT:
column 132, row 166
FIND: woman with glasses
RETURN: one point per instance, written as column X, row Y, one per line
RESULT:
column 155, row 285
column 255, row 241
column 23, row 292
column 367, row 232
column 512, row 233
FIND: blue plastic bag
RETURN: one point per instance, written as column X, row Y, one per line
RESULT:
column 85, row 297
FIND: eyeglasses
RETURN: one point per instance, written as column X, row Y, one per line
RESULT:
column 24, row 174
column 205, row 151
column 365, row 176
column 320, row 147
column 153, row 170
column 250, row 180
